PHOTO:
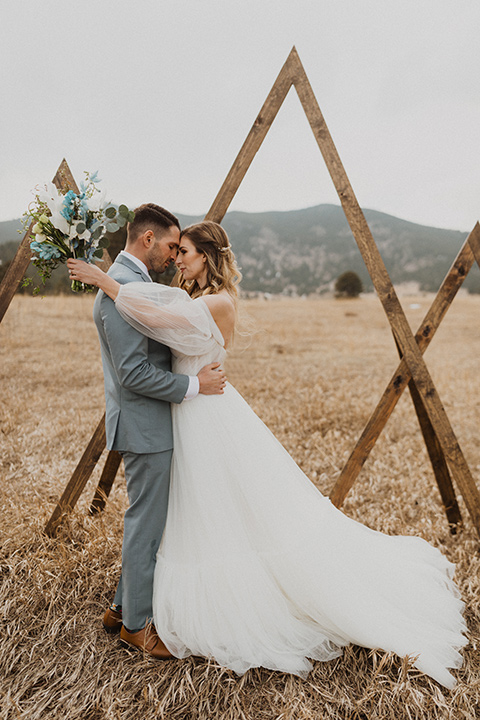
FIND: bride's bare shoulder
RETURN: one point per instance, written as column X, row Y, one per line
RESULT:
column 220, row 304
column 222, row 308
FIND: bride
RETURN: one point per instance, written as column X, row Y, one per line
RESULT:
column 256, row 567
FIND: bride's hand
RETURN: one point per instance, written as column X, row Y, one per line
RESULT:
column 92, row 275
column 84, row 272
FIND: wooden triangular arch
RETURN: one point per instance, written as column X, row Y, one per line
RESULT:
column 442, row 444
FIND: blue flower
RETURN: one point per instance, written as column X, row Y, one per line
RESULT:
column 94, row 177
column 84, row 206
column 45, row 251
column 68, row 205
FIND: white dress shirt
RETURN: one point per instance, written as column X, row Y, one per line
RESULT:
column 193, row 382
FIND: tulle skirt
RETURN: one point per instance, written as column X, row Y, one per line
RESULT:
column 257, row 568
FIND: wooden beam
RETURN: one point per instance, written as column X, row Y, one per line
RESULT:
column 105, row 484
column 253, row 142
column 79, row 479
column 16, row 272
column 425, row 333
column 474, row 242
column 64, row 179
column 388, row 297
column 437, row 459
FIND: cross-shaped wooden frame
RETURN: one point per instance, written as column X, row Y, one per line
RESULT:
column 443, row 447
column 402, row 377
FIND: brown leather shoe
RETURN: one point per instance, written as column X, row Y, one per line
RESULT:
column 112, row 621
column 146, row 640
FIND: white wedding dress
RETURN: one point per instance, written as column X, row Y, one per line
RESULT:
column 256, row 567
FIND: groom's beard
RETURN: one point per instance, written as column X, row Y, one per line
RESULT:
column 167, row 273
column 160, row 268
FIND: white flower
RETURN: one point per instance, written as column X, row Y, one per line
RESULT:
column 59, row 222
column 50, row 196
column 37, row 229
column 72, row 233
column 39, row 237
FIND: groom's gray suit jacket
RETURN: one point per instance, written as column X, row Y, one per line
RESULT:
column 139, row 384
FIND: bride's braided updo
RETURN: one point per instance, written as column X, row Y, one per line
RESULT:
column 211, row 240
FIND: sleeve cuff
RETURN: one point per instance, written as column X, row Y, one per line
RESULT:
column 193, row 387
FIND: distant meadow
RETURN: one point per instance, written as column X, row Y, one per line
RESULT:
column 313, row 370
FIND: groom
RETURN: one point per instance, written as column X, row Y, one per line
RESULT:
column 139, row 387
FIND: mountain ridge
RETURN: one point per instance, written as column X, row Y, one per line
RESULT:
column 303, row 251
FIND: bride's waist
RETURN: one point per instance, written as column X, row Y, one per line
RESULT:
column 200, row 403
column 192, row 366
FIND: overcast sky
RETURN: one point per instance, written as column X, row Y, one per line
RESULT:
column 159, row 95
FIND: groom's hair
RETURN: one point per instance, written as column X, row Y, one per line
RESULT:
column 150, row 217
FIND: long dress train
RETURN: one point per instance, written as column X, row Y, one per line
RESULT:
column 256, row 567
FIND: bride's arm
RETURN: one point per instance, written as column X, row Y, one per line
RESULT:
column 92, row 275
column 147, row 312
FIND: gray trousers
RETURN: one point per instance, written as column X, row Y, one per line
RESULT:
column 148, row 482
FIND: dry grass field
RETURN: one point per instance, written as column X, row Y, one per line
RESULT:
column 313, row 370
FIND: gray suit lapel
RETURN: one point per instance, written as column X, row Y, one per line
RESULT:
column 123, row 260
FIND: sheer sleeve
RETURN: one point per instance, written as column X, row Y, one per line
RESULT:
column 170, row 316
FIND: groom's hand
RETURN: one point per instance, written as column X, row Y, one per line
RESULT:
column 212, row 379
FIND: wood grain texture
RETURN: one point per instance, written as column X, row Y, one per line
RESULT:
column 16, row 272
column 253, row 142
column 79, row 479
column 105, row 484
column 64, row 179
column 402, row 376
column 388, row 297
column 437, row 459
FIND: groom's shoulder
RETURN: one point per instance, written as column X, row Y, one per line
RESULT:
column 103, row 304
column 122, row 273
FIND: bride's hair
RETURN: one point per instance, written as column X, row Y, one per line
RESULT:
column 211, row 240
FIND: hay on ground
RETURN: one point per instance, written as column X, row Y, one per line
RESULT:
column 313, row 370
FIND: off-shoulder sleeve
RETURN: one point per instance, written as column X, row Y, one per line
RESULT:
column 170, row 316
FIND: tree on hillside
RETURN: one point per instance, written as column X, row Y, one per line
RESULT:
column 348, row 285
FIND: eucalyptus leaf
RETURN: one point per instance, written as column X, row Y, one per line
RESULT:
column 81, row 227
column 104, row 242
column 97, row 233
column 112, row 227
column 110, row 212
column 121, row 221
column 98, row 253
column 131, row 216
column 123, row 211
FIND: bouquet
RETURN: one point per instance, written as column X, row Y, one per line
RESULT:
column 72, row 225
